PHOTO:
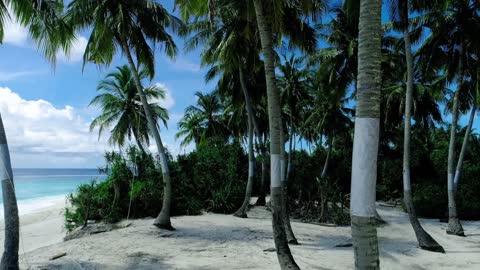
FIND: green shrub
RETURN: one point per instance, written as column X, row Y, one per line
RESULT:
column 430, row 200
column 212, row 178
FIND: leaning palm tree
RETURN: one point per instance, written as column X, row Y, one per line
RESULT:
column 43, row 20
column 366, row 137
column 474, row 86
column 134, row 27
column 122, row 108
column 400, row 12
column 268, row 24
column 284, row 255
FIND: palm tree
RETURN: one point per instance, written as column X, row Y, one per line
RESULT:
column 289, row 19
column 132, row 27
column 400, row 13
column 203, row 120
column 366, row 137
column 341, row 37
column 266, row 22
column 452, row 45
column 121, row 108
column 190, row 130
column 293, row 91
column 236, row 61
column 293, row 94
column 44, row 23
column 328, row 114
column 10, row 255
column 475, row 88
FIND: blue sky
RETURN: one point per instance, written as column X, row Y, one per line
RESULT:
column 29, row 80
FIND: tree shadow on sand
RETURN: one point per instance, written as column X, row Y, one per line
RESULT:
column 135, row 261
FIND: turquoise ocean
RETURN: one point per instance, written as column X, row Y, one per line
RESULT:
column 41, row 188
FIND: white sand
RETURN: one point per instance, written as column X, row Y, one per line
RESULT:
column 214, row 241
column 39, row 229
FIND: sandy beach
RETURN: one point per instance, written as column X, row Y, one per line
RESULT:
column 213, row 241
column 40, row 228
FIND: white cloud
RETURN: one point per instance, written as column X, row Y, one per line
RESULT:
column 168, row 101
column 15, row 34
column 12, row 75
column 76, row 51
column 41, row 135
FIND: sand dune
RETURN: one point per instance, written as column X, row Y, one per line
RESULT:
column 212, row 241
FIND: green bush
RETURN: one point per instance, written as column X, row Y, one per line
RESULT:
column 215, row 174
column 430, row 200
column 212, row 178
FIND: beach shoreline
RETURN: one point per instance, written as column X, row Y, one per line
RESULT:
column 41, row 222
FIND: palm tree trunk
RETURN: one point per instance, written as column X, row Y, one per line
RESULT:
column 139, row 144
column 251, row 113
column 261, row 195
column 242, row 212
column 424, row 239
column 163, row 219
column 366, row 137
column 285, row 210
column 10, row 208
column 327, row 159
column 116, row 193
column 248, row 102
column 290, row 150
column 284, row 255
column 454, row 225
column 461, row 156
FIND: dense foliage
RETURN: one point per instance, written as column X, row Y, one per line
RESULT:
column 211, row 178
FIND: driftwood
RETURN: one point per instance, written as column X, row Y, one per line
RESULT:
column 89, row 229
column 57, row 256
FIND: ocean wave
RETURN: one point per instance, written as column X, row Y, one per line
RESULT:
column 30, row 206
column 58, row 175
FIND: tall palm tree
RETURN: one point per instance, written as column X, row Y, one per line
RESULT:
column 43, row 20
column 133, row 27
column 292, row 83
column 274, row 114
column 293, row 91
column 289, row 20
column 425, row 241
column 366, row 137
column 122, row 108
column 236, row 61
column 452, row 45
column 264, row 11
column 12, row 234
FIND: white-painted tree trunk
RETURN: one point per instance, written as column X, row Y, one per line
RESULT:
column 461, row 156
column 10, row 209
column 366, row 137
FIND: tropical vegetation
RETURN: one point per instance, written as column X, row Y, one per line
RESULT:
column 346, row 105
